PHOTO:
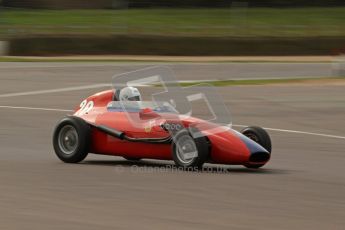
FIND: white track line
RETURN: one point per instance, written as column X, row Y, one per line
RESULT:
column 33, row 108
column 271, row 129
column 66, row 89
column 298, row 132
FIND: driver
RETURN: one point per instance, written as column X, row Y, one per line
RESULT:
column 129, row 94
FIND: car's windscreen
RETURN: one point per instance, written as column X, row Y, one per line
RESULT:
column 137, row 106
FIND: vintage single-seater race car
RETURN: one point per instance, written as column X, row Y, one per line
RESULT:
column 154, row 130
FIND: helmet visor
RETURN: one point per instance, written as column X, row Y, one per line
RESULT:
column 135, row 98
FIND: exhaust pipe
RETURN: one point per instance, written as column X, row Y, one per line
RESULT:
column 121, row 135
column 111, row 132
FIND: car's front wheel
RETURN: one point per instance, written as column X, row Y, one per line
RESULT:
column 71, row 139
column 260, row 136
column 189, row 152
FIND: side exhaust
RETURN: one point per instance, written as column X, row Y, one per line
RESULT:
column 111, row 132
column 121, row 135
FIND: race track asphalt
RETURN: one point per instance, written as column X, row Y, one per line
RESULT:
column 303, row 187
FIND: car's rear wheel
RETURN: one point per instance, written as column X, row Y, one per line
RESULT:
column 260, row 136
column 189, row 152
column 71, row 139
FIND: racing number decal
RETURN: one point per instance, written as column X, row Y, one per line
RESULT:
column 85, row 107
column 82, row 105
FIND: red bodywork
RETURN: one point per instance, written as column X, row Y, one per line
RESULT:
column 227, row 147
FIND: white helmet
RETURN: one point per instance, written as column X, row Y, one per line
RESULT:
column 130, row 94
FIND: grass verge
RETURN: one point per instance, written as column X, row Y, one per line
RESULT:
column 171, row 59
column 267, row 81
column 233, row 31
column 232, row 22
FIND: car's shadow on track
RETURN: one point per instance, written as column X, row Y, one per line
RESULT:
column 165, row 166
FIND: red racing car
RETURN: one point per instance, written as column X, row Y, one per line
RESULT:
column 154, row 130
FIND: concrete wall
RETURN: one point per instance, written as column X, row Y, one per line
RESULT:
column 4, row 48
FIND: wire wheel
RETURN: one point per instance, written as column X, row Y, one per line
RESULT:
column 71, row 139
column 189, row 152
column 68, row 139
column 186, row 149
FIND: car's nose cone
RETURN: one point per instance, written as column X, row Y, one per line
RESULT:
column 257, row 152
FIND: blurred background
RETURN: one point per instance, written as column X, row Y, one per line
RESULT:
column 175, row 27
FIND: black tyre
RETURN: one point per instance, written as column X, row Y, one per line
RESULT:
column 132, row 158
column 260, row 136
column 189, row 152
column 71, row 139
column 254, row 166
